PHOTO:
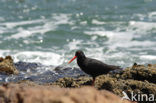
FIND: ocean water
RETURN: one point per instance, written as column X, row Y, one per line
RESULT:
column 117, row 32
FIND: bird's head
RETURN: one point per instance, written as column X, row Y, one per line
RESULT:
column 78, row 54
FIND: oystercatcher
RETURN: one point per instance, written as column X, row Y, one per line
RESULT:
column 91, row 66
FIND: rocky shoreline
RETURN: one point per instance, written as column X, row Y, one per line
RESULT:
column 138, row 79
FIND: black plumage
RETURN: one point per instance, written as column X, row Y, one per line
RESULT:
column 91, row 66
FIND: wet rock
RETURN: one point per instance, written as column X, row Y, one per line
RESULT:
column 24, row 66
column 20, row 93
column 7, row 66
column 138, row 72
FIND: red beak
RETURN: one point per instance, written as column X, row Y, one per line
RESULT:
column 72, row 59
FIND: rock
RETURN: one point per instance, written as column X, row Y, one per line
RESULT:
column 24, row 66
column 137, row 79
column 119, row 85
column 138, row 72
column 21, row 93
column 7, row 66
column 109, row 83
column 69, row 82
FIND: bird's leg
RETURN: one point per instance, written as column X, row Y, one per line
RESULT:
column 93, row 81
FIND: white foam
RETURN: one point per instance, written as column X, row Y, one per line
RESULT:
column 148, row 57
column 94, row 21
column 4, row 53
column 83, row 22
column 96, row 53
column 73, row 45
column 43, row 26
column 25, row 33
column 108, row 34
column 124, row 39
column 152, row 15
column 46, row 58
column 22, row 34
column 3, row 30
column 61, row 19
column 135, row 27
column 132, row 44
column 139, row 27
column 138, row 15
column 21, row 23
column 112, row 35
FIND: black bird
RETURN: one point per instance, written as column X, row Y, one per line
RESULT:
column 91, row 66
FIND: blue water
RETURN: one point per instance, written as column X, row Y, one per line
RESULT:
column 118, row 32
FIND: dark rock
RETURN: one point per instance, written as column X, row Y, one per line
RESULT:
column 23, row 66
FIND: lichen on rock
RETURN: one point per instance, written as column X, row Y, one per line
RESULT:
column 69, row 82
column 7, row 66
column 119, row 85
column 137, row 79
column 138, row 72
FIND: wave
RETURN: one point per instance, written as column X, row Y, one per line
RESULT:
column 45, row 58
column 18, row 30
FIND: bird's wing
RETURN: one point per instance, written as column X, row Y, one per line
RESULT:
column 93, row 63
column 113, row 67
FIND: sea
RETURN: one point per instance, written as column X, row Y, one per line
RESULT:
column 43, row 35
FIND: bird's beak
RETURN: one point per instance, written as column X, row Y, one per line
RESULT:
column 72, row 59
